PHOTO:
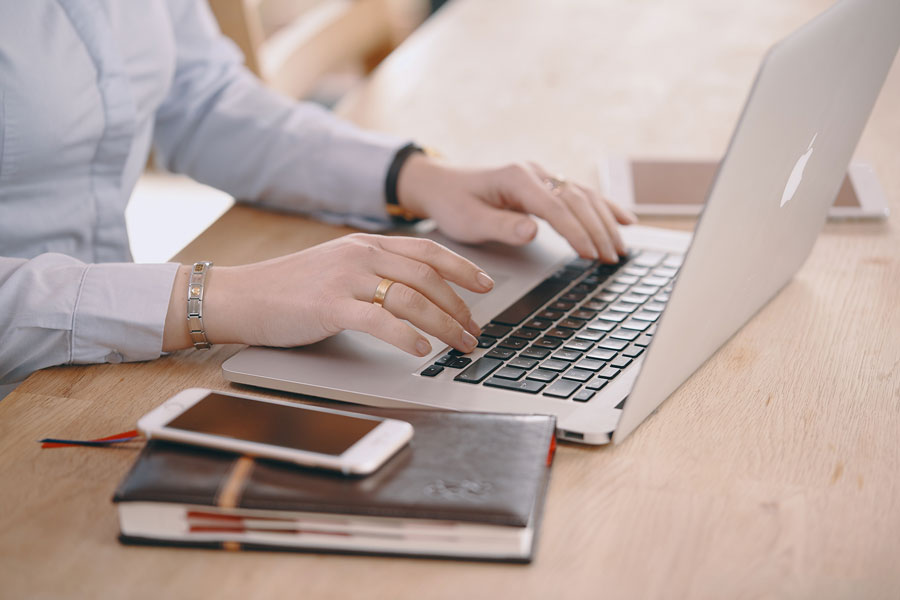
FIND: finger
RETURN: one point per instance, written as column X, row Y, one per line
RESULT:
column 426, row 280
column 622, row 215
column 408, row 303
column 538, row 200
column 448, row 264
column 583, row 206
column 602, row 209
column 376, row 321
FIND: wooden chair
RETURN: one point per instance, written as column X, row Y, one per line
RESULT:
column 290, row 44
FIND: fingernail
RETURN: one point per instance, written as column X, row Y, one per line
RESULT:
column 468, row 341
column 593, row 253
column 473, row 327
column 484, row 280
column 525, row 229
column 423, row 347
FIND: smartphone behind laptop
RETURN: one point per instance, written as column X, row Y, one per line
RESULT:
column 306, row 435
column 678, row 188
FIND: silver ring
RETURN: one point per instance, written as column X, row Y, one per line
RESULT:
column 554, row 184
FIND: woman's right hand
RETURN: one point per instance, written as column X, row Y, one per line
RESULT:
column 310, row 295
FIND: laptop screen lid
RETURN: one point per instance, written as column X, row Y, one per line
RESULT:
column 804, row 116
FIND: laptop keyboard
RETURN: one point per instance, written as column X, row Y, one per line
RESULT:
column 573, row 332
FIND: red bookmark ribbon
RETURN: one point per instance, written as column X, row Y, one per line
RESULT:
column 125, row 436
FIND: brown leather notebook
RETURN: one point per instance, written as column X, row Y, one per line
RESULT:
column 469, row 485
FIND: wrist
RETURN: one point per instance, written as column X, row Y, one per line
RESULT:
column 416, row 184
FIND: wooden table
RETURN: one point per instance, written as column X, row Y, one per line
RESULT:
column 771, row 473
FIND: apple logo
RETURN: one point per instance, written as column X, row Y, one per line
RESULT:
column 793, row 181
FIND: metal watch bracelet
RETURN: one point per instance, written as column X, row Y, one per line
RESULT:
column 195, row 304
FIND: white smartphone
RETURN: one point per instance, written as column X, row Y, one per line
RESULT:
column 678, row 188
column 307, row 435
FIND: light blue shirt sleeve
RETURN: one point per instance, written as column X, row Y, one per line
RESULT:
column 221, row 127
column 58, row 310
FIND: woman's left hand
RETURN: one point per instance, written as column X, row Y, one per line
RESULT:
column 479, row 205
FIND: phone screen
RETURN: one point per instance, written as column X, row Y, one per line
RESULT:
column 688, row 182
column 274, row 424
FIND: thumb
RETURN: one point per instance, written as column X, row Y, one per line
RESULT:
column 510, row 227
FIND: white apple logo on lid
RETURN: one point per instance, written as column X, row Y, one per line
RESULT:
column 793, row 181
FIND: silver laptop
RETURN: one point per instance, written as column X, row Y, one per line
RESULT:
column 602, row 347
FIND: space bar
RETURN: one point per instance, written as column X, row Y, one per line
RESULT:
column 531, row 301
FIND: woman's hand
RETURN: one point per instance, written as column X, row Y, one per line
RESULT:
column 478, row 205
column 305, row 297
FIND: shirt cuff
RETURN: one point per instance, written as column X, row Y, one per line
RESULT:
column 120, row 312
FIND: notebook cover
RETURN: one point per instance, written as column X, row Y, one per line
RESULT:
column 468, row 467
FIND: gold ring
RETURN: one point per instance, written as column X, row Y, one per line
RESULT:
column 554, row 184
column 381, row 291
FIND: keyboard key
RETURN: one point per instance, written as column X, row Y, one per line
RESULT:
column 582, row 287
column 514, row 343
column 479, row 369
column 542, row 375
column 590, row 335
column 522, row 363
column 602, row 354
column 560, row 333
column 522, row 308
column 455, row 352
column 578, row 375
column 648, row 259
column 562, row 305
column 624, row 307
column 459, row 362
column 634, row 298
column 570, row 324
column 645, row 290
column 501, row 353
column 567, row 355
column 580, row 264
column 644, row 340
column 662, row 297
column 612, row 344
column 554, row 364
column 538, row 353
column 578, row 345
column 632, row 351
column 654, row 306
column 486, row 341
column 591, row 364
column 602, row 325
column 597, row 305
column 581, row 315
column 562, row 388
column 573, row 297
column 674, row 261
column 549, row 315
column 608, row 372
column 611, row 315
column 509, row 373
column 637, row 325
column 547, row 342
column 523, row 385
column 539, row 324
column 432, row 370
column 526, row 333
column 626, row 279
column 606, row 296
column 665, row 272
column 620, row 362
column 596, row 383
column 615, row 288
column 584, row 395
column 624, row 334
column 653, row 280
column 637, row 270
column 646, row 315
column 495, row 330
column 445, row 360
